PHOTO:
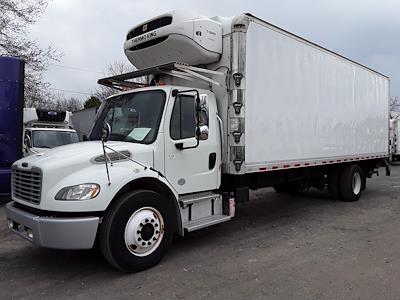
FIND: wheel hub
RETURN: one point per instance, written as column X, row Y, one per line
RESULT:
column 356, row 183
column 144, row 231
column 147, row 232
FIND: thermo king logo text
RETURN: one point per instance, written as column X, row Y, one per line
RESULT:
column 145, row 37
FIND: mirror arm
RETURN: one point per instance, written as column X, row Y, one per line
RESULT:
column 28, row 142
column 179, row 146
column 106, row 131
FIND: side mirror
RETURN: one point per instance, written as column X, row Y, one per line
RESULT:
column 203, row 133
column 106, row 132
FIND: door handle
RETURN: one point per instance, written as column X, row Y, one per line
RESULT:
column 212, row 158
column 179, row 146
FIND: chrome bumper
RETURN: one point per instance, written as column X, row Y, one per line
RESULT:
column 49, row 232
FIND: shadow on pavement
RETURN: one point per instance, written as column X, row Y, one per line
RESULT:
column 266, row 211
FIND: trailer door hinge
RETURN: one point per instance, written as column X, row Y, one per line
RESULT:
column 237, row 77
column 238, row 164
column 236, row 136
column 237, row 106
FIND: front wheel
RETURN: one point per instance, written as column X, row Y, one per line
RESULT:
column 136, row 231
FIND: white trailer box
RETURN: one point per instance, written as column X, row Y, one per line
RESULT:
column 305, row 104
column 394, row 138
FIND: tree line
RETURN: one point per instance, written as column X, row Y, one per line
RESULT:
column 15, row 18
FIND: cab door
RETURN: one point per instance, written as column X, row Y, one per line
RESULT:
column 190, row 167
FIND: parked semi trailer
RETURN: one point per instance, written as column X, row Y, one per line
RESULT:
column 11, row 105
column 232, row 104
column 394, row 138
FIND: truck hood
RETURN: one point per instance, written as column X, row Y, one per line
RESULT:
column 82, row 154
column 75, row 164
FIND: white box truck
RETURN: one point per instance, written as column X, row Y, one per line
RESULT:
column 231, row 104
column 44, row 129
column 394, row 139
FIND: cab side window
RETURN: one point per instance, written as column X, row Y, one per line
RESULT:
column 183, row 118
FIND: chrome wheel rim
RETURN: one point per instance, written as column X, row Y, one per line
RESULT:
column 356, row 183
column 144, row 231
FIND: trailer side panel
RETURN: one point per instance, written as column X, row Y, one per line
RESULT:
column 304, row 103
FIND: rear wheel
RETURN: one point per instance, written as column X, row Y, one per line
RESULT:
column 136, row 231
column 351, row 183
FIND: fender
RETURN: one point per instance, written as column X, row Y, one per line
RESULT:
column 158, row 183
column 121, row 175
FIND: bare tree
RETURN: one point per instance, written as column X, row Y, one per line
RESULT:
column 115, row 68
column 58, row 101
column 69, row 104
column 15, row 17
column 394, row 103
column 37, row 92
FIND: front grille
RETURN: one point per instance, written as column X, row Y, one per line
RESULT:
column 27, row 184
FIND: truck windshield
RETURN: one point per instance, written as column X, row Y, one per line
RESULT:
column 53, row 138
column 133, row 117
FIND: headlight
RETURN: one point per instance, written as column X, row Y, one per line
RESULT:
column 79, row 192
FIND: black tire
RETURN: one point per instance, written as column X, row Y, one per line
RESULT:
column 334, row 183
column 288, row 187
column 349, row 190
column 114, row 224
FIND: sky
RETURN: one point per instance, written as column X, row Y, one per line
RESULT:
column 90, row 33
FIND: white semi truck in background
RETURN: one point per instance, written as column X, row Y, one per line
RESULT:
column 44, row 129
column 394, row 138
column 231, row 104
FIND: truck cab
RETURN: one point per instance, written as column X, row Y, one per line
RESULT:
column 154, row 119
column 45, row 129
column 164, row 142
column 152, row 165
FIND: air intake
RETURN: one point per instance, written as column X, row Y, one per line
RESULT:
column 113, row 156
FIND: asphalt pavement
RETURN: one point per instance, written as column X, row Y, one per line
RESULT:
column 306, row 246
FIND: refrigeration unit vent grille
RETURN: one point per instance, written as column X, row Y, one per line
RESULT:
column 149, row 43
column 158, row 23
column 114, row 156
